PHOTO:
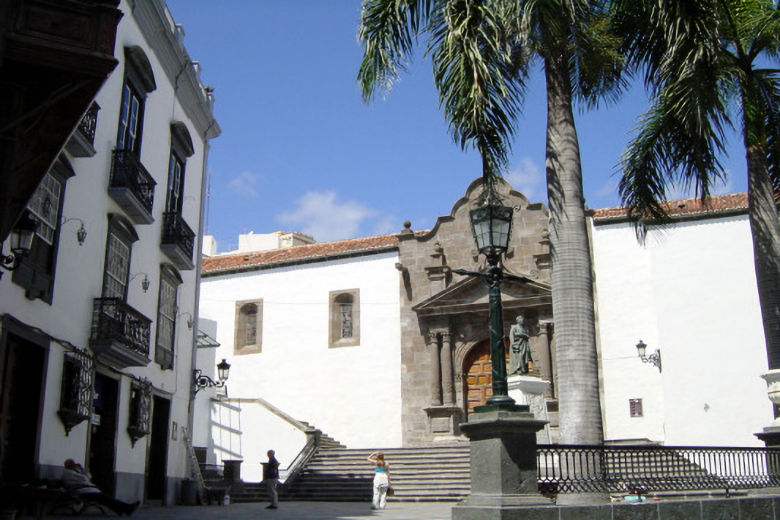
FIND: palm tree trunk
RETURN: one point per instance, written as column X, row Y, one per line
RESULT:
column 572, row 288
column 765, row 229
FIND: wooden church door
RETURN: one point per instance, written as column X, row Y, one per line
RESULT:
column 477, row 368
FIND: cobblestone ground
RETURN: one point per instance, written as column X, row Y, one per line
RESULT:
column 287, row 511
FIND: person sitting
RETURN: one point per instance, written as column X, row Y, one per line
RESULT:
column 77, row 482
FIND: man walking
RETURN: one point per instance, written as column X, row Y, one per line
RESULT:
column 271, row 478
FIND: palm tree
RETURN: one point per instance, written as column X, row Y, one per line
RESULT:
column 705, row 61
column 482, row 53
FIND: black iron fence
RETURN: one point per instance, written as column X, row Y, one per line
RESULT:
column 625, row 469
column 128, row 172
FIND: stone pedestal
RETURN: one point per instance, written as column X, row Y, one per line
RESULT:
column 530, row 390
column 503, row 466
column 444, row 421
column 771, row 434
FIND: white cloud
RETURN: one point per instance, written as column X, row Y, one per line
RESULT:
column 526, row 177
column 324, row 217
column 245, row 184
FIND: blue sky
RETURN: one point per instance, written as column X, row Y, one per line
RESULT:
column 300, row 151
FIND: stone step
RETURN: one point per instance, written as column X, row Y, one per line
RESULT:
column 417, row 474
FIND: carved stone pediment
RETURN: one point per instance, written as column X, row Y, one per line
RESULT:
column 470, row 295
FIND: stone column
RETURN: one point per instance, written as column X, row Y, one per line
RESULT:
column 545, row 360
column 433, row 343
column 448, row 389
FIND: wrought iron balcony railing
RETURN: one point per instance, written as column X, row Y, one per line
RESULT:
column 88, row 123
column 132, row 186
column 178, row 240
column 640, row 469
column 82, row 141
column 120, row 333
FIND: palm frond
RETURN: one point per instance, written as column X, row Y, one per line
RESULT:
column 660, row 36
column 768, row 87
column 480, row 91
column 388, row 32
column 597, row 66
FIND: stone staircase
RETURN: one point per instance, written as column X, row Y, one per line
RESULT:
column 438, row 473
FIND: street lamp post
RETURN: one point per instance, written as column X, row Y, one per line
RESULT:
column 502, row 434
column 491, row 225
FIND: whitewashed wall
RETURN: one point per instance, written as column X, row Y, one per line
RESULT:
column 690, row 291
column 351, row 393
column 79, row 271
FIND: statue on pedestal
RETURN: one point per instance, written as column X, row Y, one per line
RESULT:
column 519, row 348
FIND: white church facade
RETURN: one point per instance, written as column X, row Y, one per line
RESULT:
column 378, row 343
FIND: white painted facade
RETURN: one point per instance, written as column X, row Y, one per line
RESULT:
column 79, row 270
column 690, row 291
column 352, row 393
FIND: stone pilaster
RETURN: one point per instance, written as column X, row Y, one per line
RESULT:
column 435, row 375
column 545, row 359
column 447, row 386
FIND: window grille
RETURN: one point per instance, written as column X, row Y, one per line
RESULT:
column 140, row 421
column 346, row 320
column 635, row 407
column 78, row 374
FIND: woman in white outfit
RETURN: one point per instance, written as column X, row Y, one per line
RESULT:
column 381, row 479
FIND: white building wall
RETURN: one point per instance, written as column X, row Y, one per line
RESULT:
column 351, row 393
column 79, row 270
column 690, row 291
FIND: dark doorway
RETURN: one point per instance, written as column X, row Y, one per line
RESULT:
column 102, row 446
column 21, row 380
column 158, row 449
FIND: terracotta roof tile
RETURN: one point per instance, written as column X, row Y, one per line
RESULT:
column 684, row 207
column 215, row 265
column 240, row 261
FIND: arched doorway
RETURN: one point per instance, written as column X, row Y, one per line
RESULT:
column 477, row 369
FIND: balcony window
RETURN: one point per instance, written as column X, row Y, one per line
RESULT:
column 36, row 270
column 117, row 267
column 173, row 200
column 120, row 334
column 138, row 82
column 181, row 148
column 167, row 303
column 130, row 119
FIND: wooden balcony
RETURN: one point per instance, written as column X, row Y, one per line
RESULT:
column 54, row 57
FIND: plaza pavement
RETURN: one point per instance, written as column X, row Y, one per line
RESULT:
column 287, row 511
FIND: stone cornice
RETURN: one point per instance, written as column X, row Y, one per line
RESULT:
column 164, row 39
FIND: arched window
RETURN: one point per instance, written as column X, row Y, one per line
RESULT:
column 248, row 334
column 344, row 318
